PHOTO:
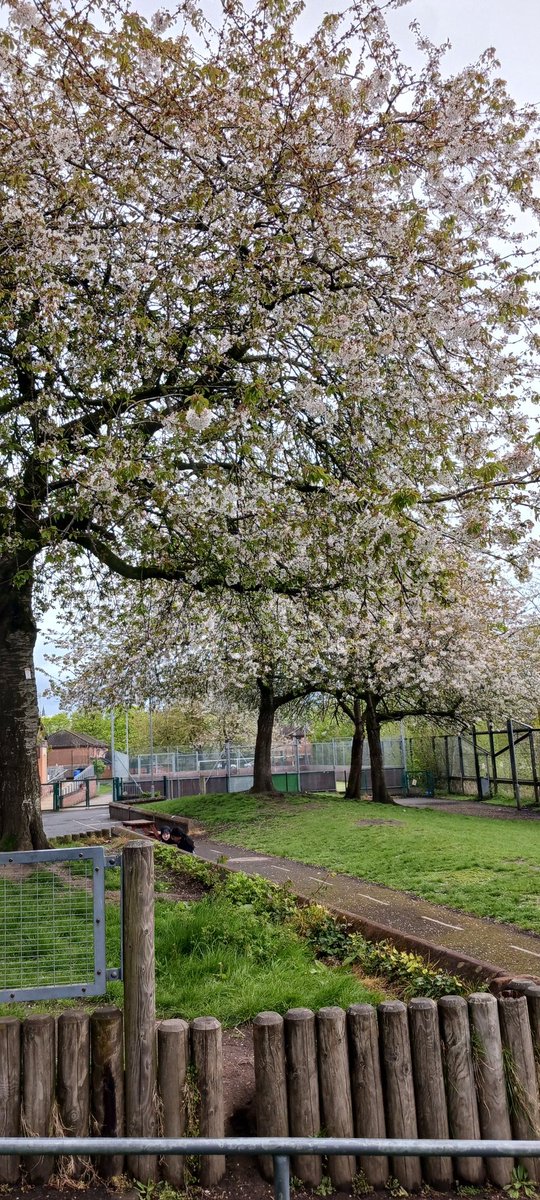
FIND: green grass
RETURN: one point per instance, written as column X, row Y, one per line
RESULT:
column 217, row 957
column 214, row 956
column 481, row 865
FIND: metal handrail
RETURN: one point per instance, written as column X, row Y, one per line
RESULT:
column 280, row 1149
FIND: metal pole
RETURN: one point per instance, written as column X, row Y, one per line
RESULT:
column 127, row 736
column 112, row 750
column 151, row 736
column 281, row 1177
column 493, row 757
column 447, row 762
column 513, row 764
column 277, row 1147
column 228, row 764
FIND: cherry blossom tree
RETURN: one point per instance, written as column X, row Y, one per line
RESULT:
column 245, row 276
column 461, row 648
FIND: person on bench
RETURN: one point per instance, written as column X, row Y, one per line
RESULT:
column 177, row 837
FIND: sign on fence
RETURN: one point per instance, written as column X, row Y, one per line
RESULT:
column 52, row 924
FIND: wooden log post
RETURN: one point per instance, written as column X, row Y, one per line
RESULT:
column 533, row 1002
column 366, row 1087
column 10, row 1092
column 430, row 1096
column 270, row 1081
column 334, row 1082
column 303, row 1089
column 140, row 1002
column 38, row 1041
column 173, row 1060
column 490, row 1081
column 107, row 1083
column 73, row 1077
column 208, row 1063
column 398, row 1080
column 463, row 1119
column 521, row 1075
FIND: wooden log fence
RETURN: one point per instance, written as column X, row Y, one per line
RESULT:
column 454, row 1069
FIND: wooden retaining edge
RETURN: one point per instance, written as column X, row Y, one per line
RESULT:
column 460, row 964
column 131, row 812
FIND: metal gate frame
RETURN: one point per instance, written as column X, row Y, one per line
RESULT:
column 98, row 985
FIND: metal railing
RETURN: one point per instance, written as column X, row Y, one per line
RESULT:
column 280, row 1149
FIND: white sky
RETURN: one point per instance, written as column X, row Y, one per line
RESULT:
column 511, row 26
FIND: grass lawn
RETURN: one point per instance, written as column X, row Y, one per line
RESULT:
column 213, row 955
column 479, row 865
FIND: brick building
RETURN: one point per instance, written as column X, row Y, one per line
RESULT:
column 73, row 750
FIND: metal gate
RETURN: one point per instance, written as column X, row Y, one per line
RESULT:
column 52, row 924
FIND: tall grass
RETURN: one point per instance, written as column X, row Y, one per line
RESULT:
column 217, row 957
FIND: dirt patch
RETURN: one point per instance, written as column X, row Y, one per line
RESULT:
column 378, row 821
column 239, row 1082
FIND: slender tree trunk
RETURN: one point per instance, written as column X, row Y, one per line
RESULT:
column 20, row 818
column 379, row 790
column 354, row 784
column 262, row 765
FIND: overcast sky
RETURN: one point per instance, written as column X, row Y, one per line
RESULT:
column 511, row 26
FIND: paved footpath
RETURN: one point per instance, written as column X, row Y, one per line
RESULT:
column 504, row 946
column 77, row 820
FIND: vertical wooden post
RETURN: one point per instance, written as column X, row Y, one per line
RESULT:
column 447, row 762
column 398, row 1077
column 490, row 1082
column 336, row 1102
column 73, row 1078
column 173, row 1058
column 463, row 1117
column 533, row 1002
column 513, row 763
column 479, row 792
column 366, row 1087
column 431, row 1114
column 493, row 757
column 107, row 1083
column 10, row 1092
column 270, row 1081
column 521, row 1075
column 139, row 1002
column 208, row 1063
column 303, row 1089
column 461, row 763
column 534, row 767
column 38, row 1089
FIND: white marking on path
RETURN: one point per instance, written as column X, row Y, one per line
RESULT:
column 317, row 879
column 365, row 896
column 524, row 951
column 252, row 858
column 446, row 924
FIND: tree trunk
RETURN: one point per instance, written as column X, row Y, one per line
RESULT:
column 354, row 783
column 20, row 818
column 379, row 790
column 262, row 764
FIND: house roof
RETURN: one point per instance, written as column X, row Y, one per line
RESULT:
column 65, row 740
